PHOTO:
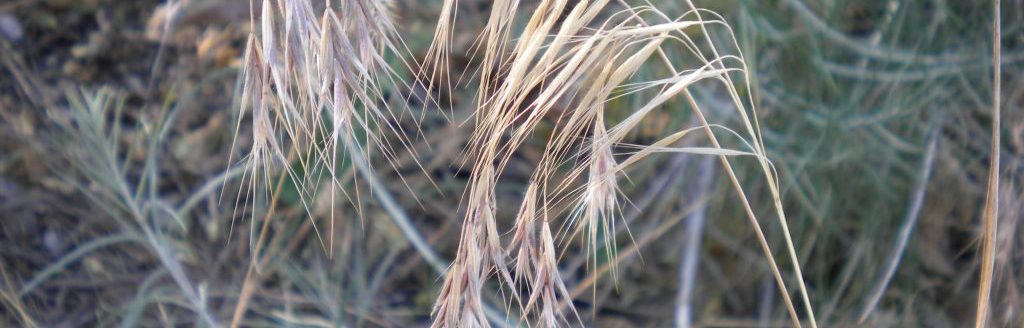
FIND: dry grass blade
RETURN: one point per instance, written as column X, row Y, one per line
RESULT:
column 753, row 128
column 990, row 217
column 11, row 301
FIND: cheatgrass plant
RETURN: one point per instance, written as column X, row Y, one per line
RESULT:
column 568, row 61
column 584, row 163
column 313, row 88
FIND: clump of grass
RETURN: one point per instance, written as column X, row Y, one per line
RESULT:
column 315, row 91
column 301, row 71
column 566, row 58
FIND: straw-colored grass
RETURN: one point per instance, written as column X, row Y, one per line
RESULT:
column 578, row 55
column 583, row 162
column 990, row 217
column 567, row 55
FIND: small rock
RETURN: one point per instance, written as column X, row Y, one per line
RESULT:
column 10, row 27
column 52, row 242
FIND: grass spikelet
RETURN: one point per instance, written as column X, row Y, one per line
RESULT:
column 548, row 287
column 524, row 237
column 435, row 69
column 598, row 205
column 480, row 255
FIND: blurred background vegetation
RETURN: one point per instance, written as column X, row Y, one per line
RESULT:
column 117, row 118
